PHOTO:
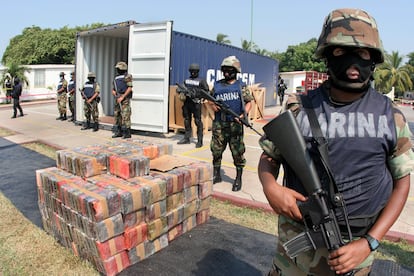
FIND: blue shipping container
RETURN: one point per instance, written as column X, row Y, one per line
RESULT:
column 187, row 49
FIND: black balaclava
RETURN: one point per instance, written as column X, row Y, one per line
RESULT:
column 337, row 66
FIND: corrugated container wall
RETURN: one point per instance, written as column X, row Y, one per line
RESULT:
column 209, row 54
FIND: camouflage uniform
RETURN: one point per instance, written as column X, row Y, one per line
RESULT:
column 231, row 133
column 236, row 95
column 91, row 90
column 122, row 110
column 62, row 97
column 377, row 176
column 71, row 95
column 8, row 85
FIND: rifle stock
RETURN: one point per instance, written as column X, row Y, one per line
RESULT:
column 322, row 229
column 223, row 106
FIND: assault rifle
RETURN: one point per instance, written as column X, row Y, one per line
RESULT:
column 85, row 98
column 223, row 106
column 318, row 212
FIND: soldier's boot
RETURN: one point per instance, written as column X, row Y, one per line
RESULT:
column 127, row 133
column 64, row 118
column 60, row 117
column 118, row 132
column 86, row 125
column 237, row 185
column 14, row 116
column 95, row 127
column 199, row 141
column 216, row 175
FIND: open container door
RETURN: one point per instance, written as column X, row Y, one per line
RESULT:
column 149, row 65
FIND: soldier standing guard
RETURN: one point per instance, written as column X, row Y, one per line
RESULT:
column 122, row 91
column 228, row 129
column 8, row 85
column 61, row 91
column 71, row 95
column 192, row 105
column 90, row 94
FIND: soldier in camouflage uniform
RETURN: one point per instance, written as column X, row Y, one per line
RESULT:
column 8, row 85
column 61, row 91
column 90, row 94
column 369, row 151
column 227, row 129
column 71, row 95
column 122, row 91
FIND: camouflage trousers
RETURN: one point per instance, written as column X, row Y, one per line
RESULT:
column 228, row 133
column 312, row 262
column 91, row 111
column 71, row 100
column 122, row 113
column 61, row 101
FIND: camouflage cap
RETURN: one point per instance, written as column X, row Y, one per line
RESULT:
column 232, row 61
column 121, row 65
column 91, row 75
column 350, row 28
column 62, row 74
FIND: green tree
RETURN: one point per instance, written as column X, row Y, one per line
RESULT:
column 300, row 58
column 222, row 38
column 15, row 70
column 393, row 73
column 248, row 45
column 44, row 46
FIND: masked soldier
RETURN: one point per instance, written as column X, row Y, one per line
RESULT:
column 62, row 89
column 364, row 140
column 15, row 94
column 90, row 95
column 226, row 128
column 192, row 104
column 8, row 85
column 71, row 95
column 122, row 91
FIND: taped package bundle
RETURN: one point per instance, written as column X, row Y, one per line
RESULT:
column 133, row 196
column 85, row 162
column 128, row 166
column 106, row 204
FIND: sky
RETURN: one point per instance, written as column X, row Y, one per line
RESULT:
column 272, row 25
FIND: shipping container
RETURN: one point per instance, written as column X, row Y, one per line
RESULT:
column 302, row 81
column 157, row 59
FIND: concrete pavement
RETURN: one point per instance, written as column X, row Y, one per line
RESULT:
column 39, row 124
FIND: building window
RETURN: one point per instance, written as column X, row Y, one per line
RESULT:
column 39, row 78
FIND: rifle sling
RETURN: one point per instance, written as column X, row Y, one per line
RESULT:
column 322, row 144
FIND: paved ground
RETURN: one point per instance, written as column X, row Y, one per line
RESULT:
column 39, row 124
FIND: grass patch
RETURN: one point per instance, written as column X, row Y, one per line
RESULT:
column 28, row 250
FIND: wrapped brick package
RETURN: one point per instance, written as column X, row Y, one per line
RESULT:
column 111, row 207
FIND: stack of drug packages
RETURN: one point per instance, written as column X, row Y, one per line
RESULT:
column 110, row 205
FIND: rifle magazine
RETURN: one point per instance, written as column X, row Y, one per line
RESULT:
column 301, row 243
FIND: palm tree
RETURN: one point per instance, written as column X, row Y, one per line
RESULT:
column 392, row 73
column 222, row 38
column 15, row 70
column 248, row 45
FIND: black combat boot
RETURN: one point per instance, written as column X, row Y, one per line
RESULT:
column 127, row 133
column 238, row 181
column 118, row 132
column 185, row 140
column 60, row 117
column 14, row 116
column 64, row 118
column 86, row 125
column 216, row 175
column 199, row 141
column 95, row 127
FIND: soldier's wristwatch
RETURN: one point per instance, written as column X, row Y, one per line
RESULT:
column 372, row 242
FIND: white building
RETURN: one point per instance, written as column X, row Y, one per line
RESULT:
column 43, row 80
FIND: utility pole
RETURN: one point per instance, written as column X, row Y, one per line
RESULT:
column 251, row 23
